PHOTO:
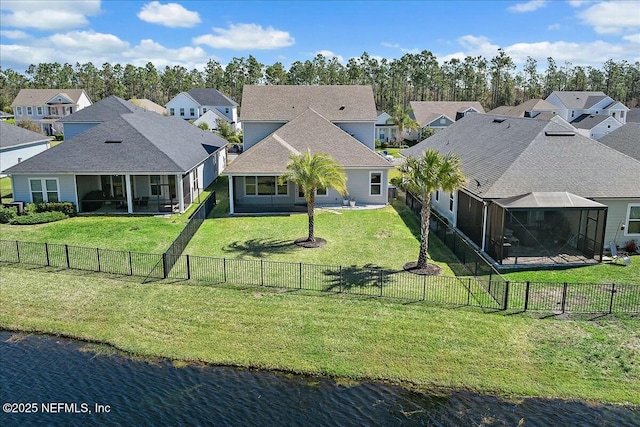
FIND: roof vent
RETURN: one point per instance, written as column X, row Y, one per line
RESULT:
column 110, row 141
column 499, row 120
column 559, row 133
column 342, row 107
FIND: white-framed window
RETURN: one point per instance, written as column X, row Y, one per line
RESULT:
column 375, row 183
column 172, row 112
column 451, row 202
column 443, row 121
column 633, row 220
column 44, row 190
column 192, row 112
column 265, row 186
column 39, row 109
column 30, row 111
column 321, row 192
column 19, row 111
column 182, row 112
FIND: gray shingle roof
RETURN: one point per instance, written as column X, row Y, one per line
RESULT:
column 633, row 115
column 12, row 135
column 210, row 96
column 579, row 99
column 625, row 139
column 36, row 97
column 307, row 131
column 149, row 143
column 532, row 105
column 284, row 103
column 148, row 105
column 427, row 111
column 586, row 121
column 506, row 157
column 104, row 110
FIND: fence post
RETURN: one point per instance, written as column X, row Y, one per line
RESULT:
column 18, row 251
column 188, row 268
column 224, row 269
column 130, row 265
column 526, row 296
column 261, row 273
column 469, row 291
column 613, row 291
column 165, row 266
column 381, row 274
column 300, row 271
column 66, row 252
column 506, row 296
column 424, row 287
column 564, row 296
column 46, row 251
column 98, row 258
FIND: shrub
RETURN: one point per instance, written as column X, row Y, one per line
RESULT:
column 66, row 208
column 631, row 246
column 7, row 214
column 396, row 181
column 38, row 218
column 58, row 137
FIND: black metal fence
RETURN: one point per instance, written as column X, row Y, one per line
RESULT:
column 555, row 298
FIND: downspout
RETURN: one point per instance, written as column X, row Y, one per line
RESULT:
column 180, row 184
column 231, row 211
column 484, row 226
column 127, row 179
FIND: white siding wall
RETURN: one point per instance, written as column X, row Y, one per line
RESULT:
column 83, row 102
column 442, row 205
column 9, row 156
column 183, row 101
column 358, row 185
column 66, row 187
column 616, row 217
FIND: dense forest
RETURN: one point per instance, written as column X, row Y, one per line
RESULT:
column 413, row 77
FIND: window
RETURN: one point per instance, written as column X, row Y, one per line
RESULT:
column 204, row 110
column 451, row 202
column 437, row 195
column 321, row 192
column 226, row 110
column 622, row 114
column 155, row 185
column 30, row 111
column 39, row 111
column 192, row 111
column 375, row 183
column 172, row 112
column 44, row 190
column 196, row 181
column 182, row 112
column 19, row 111
column 264, row 186
column 443, row 121
column 633, row 219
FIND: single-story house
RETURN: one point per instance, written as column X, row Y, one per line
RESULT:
column 133, row 163
column 211, row 118
column 283, row 120
column 46, row 106
column 537, row 190
column 18, row 144
column 439, row 114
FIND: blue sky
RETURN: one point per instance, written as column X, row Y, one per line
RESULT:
column 189, row 33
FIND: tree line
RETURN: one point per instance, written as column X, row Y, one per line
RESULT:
column 413, row 77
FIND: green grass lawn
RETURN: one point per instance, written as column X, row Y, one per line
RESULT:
column 6, row 192
column 381, row 237
column 415, row 344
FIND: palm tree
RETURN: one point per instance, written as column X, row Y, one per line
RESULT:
column 422, row 176
column 402, row 119
column 313, row 172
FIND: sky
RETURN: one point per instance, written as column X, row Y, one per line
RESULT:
column 189, row 33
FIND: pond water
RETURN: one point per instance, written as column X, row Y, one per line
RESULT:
column 65, row 383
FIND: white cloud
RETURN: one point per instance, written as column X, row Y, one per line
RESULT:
column 246, row 36
column 14, row 34
column 47, row 15
column 170, row 15
column 612, row 17
column 329, row 54
column 88, row 41
column 393, row 45
column 529, row 6
column 554, row 27
column 633, row 38
column 577, row 3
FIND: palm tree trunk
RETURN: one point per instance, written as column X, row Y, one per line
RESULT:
column 425, row 215
column 311, row 205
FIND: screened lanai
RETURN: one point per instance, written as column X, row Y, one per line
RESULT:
column 545, row 228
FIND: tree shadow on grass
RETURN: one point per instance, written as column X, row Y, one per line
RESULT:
column 368, row 279
column 259, row 248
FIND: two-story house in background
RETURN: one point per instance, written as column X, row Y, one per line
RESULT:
column 593, row 114
column 439, row 114
column 194, row 103
column 46, row 106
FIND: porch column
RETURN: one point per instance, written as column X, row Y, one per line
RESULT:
column 230, row 195
column 180, row 193
column 127, row 182
column 484, row 226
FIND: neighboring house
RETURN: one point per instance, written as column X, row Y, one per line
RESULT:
column 194, row 103
column 47, row 106
column 5, row 116
column 531, row 108
column 440, row 114
column 211, row 118
column 279, row 121
column 18, row 144
column 625, row 139
column 584, row 110
column 149, row 105
column 135, row 163
column 386, row 130
column 102, row 111
column 538, row 186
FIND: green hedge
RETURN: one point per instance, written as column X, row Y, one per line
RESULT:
column 38, row 218
column 7, row 214
column 67, row 208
